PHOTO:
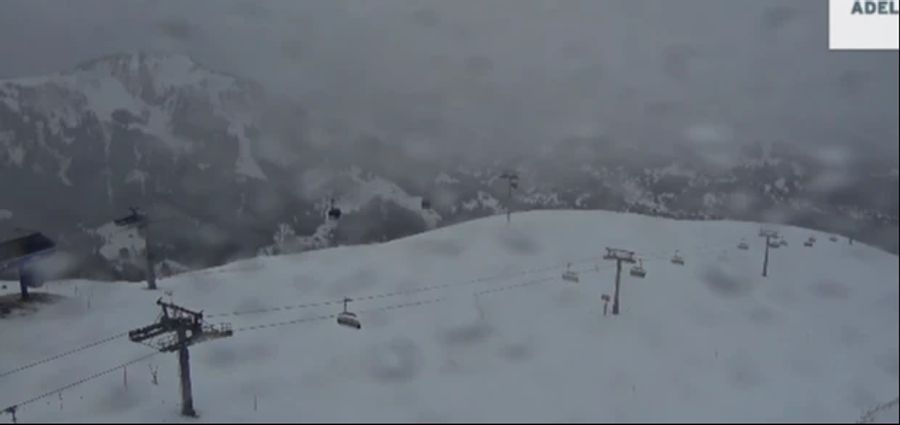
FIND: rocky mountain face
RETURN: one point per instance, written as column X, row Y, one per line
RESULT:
column 225, row 171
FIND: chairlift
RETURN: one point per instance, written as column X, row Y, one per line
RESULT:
column 808, row 243
column 334, row 212
column 638, row 270
column 783, row 242
column 833, row 238
column 348, row 319
column 743, row 245
column 677, row 259
column 774, row 244
column 569, row 275
column 426, row 204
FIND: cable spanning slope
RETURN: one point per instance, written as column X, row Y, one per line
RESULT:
column 710, row 340
column 300, row 307
column 245, row 329
column 61, row 355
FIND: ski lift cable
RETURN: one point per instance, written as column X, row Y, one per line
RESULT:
column 501, row 276
column 244, row 329
column 332, row 316
column 514, row 286
column 81, row 381
column 299, row 306
column 485, row 279
column 403, row 305
column 408, row 304
column 290, row 322
column 335, row 302
column 63, row 354
column 284, row 323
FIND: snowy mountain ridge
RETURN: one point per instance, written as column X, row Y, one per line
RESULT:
column 142, row 91
column 245, row 173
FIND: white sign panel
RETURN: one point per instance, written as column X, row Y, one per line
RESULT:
column 863, row 24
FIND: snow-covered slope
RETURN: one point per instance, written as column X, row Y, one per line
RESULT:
column 709, row 341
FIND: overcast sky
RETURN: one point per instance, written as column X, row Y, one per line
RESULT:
column 506, row 72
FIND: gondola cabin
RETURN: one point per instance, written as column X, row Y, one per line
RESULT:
column 348, row 319
column 334, row 213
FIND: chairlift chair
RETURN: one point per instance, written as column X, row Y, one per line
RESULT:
column 348, row 319
column 677, row 259
column 783, row 242
column 774, row 244
column 808, row 243
column 638, row 270
column 743, row 246
column 426, row 204
column 569, row 275
column 833, row 238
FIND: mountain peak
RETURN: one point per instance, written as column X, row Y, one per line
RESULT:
column 149, row 72
column 153, row 75
column 137, row 59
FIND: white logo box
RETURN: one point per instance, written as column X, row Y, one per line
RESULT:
column 863, row 24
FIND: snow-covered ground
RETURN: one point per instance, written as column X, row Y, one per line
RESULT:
column 709, row 341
